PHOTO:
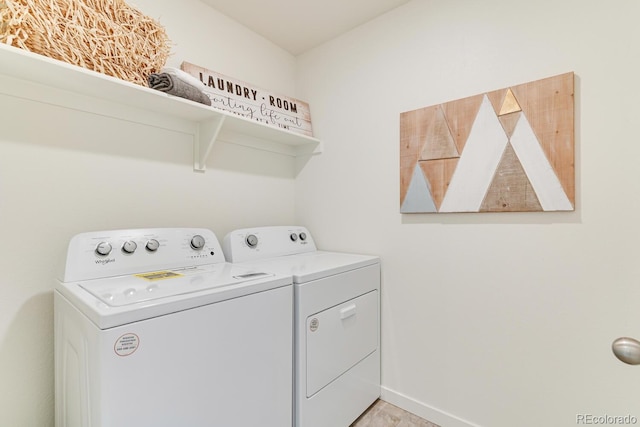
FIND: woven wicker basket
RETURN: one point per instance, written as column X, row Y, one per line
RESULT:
column 107, row 36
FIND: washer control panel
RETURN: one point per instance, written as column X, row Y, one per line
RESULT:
column 250, row 244
column 101, row 254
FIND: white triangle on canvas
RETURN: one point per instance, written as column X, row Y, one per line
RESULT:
column 418, row 198
column 478, row 162
column 543, row 178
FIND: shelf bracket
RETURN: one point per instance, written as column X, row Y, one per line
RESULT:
column 206, row 134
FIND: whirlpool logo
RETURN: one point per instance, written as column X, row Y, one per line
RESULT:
column 105, row 261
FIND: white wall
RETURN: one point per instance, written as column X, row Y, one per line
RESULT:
column 488, row 319
column 64, row 172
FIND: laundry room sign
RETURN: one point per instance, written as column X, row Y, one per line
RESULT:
column 508, row 150
column 251, row 102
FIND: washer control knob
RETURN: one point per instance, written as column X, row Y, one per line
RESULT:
column 293, row 237
column 152, row 245
column 251, row 240
column 197, row 242
column 303, row 236
column 103, row 248
column 129, row 247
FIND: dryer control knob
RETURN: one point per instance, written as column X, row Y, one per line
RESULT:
column 129, row 247
column 251, row 240
column 152, row 245
column 197, row 242
column 293, row 237
column 103, row 248
column 303, row 236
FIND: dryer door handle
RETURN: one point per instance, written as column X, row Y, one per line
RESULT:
column 348, row 311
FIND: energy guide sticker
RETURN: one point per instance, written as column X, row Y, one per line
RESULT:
column 158, row 275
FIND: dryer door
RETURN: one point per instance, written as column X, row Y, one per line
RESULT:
column 340, row 337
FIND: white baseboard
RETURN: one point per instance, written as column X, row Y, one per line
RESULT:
column 423, row 410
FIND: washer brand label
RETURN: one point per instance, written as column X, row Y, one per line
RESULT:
column 105, row 261
column 126, row 345
column 158, row 275
column 313, row 324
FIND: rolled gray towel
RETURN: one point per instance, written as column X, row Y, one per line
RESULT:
column 172, row 85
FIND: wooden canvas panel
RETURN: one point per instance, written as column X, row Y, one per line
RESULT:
column 439, row 143
column 497, row 99
column 509, row 122
column 438, row 174
column 460, row 116
column 477, row 164
column 538, row 169
column 534, row 119
column 510, row 190
column 549, row 106
column 413, row 134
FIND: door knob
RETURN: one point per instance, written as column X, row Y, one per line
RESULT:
column 627, row 350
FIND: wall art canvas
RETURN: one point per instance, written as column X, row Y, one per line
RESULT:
column 509, row 150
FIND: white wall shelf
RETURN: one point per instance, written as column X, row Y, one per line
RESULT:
column 38, row 78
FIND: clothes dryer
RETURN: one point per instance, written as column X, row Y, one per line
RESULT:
column 337, row 320
column 154, row 328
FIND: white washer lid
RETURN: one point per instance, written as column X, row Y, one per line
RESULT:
column 137, row 288
column 119, row 300
column 314, row 265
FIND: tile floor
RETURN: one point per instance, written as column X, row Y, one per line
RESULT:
column 383, row 414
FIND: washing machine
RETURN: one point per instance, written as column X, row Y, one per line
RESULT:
column 154, row 328
column 336, row 320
